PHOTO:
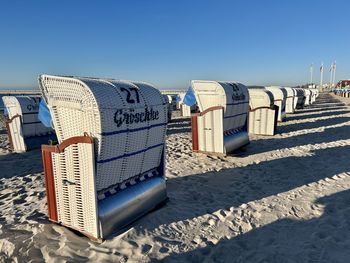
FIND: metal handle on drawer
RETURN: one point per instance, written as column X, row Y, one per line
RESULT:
column 66, row 182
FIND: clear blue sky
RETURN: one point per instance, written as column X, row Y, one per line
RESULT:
column 168, row 43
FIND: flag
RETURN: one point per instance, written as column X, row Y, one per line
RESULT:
column 331, row 68
column 190, row 99
column 321, row 68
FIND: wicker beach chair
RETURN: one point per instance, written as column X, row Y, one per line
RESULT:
column 172, row 100
column 24, row 129
column 179, row 100
column 185, row 110
column 263, row 114
column 307, row 94
column 221, row 124
column 108, row 168
column 168, row 101
column 340, row 92
column 343, row 92
column 291, row 100
column 342, row 88
column 300, row 97
column 295, row 102
column 312, row 95
column 279, row 95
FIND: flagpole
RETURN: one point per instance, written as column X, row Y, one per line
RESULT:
column 311, row 72
column 331, row 77
column 334, row 67
column 321, row 75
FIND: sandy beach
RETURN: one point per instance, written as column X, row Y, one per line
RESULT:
column 281, row 199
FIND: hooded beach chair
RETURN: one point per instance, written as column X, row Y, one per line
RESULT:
column 307, row 94
column 108, row 168
column 347, row 93
column 172, row 102
column 179, row 100
column 300, row 98
column 343, row 92
column 338, row 91
column 291, row 100
column 185, row 110
column 263, row 113
column 279, row 96
column 317, row 93
column 314, row 94
column 25, row 131
column 295, row 100
column 172, row 98
column 168, row 101
column 342, row 88
column 221, row 124
column 189, row 103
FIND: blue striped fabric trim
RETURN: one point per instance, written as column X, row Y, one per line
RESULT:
column 130, row 154
column 28, row 113
column 238, row 103
column 227, row 117
column 112, row 190
column 132, row 130
column 34, row 122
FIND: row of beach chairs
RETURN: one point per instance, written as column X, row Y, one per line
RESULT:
column 342, row 92
column 104, row 166
column 342, row 89
column 244, row 110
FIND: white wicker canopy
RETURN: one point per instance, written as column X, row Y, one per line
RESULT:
column 260, row 98
column 232, row 96
column 278, row 92
column 290, row 92
column 127, row 119
column 280, row 96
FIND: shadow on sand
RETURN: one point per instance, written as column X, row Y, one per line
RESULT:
column 286, row 128
column 323, row 239
column 324, row 105
column 317, row 115
column 19, row 164
column 232, row 187
column 179, row 125
column 318, row 110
